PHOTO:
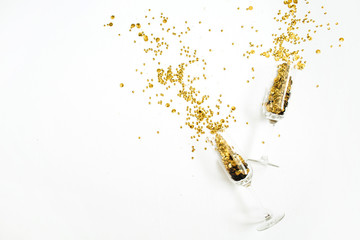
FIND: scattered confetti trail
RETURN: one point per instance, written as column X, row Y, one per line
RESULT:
column 166, row 81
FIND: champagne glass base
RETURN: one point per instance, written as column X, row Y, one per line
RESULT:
column 270, row 220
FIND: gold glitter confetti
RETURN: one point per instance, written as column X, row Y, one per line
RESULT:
column 121, row 85
column 286, row 43
column 199, row 117
column 234, row 163
column 280, row 91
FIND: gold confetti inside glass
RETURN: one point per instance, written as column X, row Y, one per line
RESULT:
column 275, row 104
column 241, row 173
column 277, row 98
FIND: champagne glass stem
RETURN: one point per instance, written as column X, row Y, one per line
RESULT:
column 264, row 159
column 269, row 141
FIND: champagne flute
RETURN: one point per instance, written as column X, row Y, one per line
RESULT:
column 240, row 172
column 275, row 104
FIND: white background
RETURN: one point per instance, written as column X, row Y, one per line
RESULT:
column 71, row 163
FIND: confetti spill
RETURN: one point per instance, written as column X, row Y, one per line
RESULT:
column 199, row 115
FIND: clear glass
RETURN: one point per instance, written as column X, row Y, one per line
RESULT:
column 277, row 98
column 275, row 104
column 241, row 173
